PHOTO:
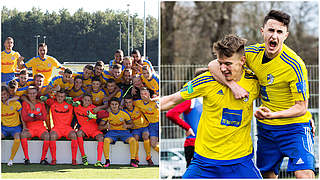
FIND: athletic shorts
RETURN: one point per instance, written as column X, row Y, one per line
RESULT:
column 154, row 129
column 37, row 131
column 118, row 134
column 140, row 131
column 188, row 154
column 62, row 131
column 275, row 142
column 90, row 131
column 10, row 131
column 202, row 167
column 6, row 77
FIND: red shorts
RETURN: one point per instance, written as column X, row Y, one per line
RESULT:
column 90, row 131
column 37, row 131
column 62, row 131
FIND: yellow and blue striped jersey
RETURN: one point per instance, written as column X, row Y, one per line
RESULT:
column 97, row 97
column 145, row 62
column 283, row 80
column 10, row 114
column 9, row 61
column 28, row 83
column 225, row 124
column 137, row 118
column 150, row 110
column 22, row 91
column 153, row 83
column 117, row 120
column 73, row 93
column 58, row 80
column 43, row 66
column 107, row 75
column 85, row 82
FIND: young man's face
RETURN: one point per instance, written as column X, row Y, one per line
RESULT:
column 32, row 94
column 114, row 105
column 38, row 82
column 8, row 44
column 23, row 79
column 137, row 82
column 146, row 73
column 98, row 70
column 43, row 51
column 231, row 67
column 145, row 95
column 111, row 87
column 13, row 90
column 127, row 63
column 67, row 77
column 118, row 57
column 116, row 72
column 127, row 76
column 86, row 101
column 136, row 57
column 60, row 97
column 4, row 96
column 87, row 72
column 96, row 85
column 128, row 103
column 77, row 84
column 274, row 34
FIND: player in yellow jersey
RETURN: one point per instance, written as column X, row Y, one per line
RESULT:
column 151, row 80
column 98, row 72
column 118, row 122
column 139, row 129
column 43, row 63
column 86, row 76
column 138, row 62
column 98, row 94
column 118, row 58
column 63, row 82
column 23, row 79
column 10, row 61
column 10, row 121
column 127, row 62
column 151, row 111
column 115, row 73
column 77, row 90
column 284, row 123
column 223, row 146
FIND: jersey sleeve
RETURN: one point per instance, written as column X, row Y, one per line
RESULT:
column 299, row 83
column 29, row 63
column 56, row 64
column 18, row 106
column 174, row 114
column 198, row 87
column 54, row 81
column 127, row 116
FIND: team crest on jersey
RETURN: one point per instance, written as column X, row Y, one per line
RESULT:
column 38, row 109
column 270, row 78
column 11, row 108
column 150, row 109
column 97, row 99
column 66, row 106
column 49, row 64
column 121, row 119
column 137, row 112
column 13, row 58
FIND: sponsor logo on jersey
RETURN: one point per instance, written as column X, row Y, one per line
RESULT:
column 150, row 109
column 97, row 99
column 13, row 58
column 270, row 78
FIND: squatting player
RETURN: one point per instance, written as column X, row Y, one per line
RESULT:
column 284, row 126
column 223, row 147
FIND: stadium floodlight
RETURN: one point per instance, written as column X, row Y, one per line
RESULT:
column 44, row 39
column 120, row 23
column 128, row 30
column 37, row 42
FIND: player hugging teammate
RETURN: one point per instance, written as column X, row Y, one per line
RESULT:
column 105, row 105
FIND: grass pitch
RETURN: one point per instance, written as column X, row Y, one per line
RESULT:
column 65, row 171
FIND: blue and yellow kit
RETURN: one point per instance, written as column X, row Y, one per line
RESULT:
column 10, row 114
column 149, row 109
column 76, row 93
column 225, row 124
column 153, row 83
column 283, row 80
column 137, row 118
column 85, row 82
column 107, row 75
column 117, row 120
column 9, row 61
column 58, row 80
column 97, row 97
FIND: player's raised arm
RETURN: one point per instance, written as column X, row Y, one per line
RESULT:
column 168, row 102
column 236, row 89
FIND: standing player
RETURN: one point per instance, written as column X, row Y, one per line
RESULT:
column 10, row 61
column 10, row 121
column 43, row 63
column 284, row 127
column 62, row 115
column 151, row 110
column 139, row 129
column 118, row 58
column 223, row 147
column 34, row 125
column 118, row 122
column 88, row 127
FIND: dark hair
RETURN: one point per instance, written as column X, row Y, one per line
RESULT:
column 111, row 81
column 89, row 66
column 115, row 99
column 42, row 45
column 12, row 84
column 96, row 79
column 145, row 67
column 31, row 88
column 117, row 66
column 128, row 96
column 279, row 16
column 99, row 63
column 78, row 77
column 62, row 90
column 23, row 72
column 68, row 71
column 87, row 94
column 135, row 51
column 119, row 51
column 38, row 75
column 229, row 45
column 4, row 88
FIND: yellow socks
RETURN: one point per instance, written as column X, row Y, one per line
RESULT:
column 15, row 147
column 132, row 143
column 106, row 147
column 156, row 148
column 147, row 148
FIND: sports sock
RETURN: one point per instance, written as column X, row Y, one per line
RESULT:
column 156, row 148
column 53, row 150
column 132, row 143
column 81, row 147
column 74, row 148
column 137, row 150
column 24, row 145
column 147, row 148
column 15, row 147
column 100, row 149
column 106, row 147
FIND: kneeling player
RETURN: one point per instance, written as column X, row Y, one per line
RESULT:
column 10, row 123
column 34, row 120
column 62, row 114
column 88, row 127
column 119, row 122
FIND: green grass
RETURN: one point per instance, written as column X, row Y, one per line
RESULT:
column 64, row 171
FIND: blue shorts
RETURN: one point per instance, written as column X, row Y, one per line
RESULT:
column 118, row 134
column 10, row 131
column 140, row 131
column 202, row 167
column 6, row 77
column 275, row 142
column 154, row 129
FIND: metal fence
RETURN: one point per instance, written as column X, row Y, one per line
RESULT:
column 173, row 77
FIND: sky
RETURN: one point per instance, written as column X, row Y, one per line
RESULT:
column 136, row 6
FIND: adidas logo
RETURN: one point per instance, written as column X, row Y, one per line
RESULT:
column 300, row 161
column 220, row 92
